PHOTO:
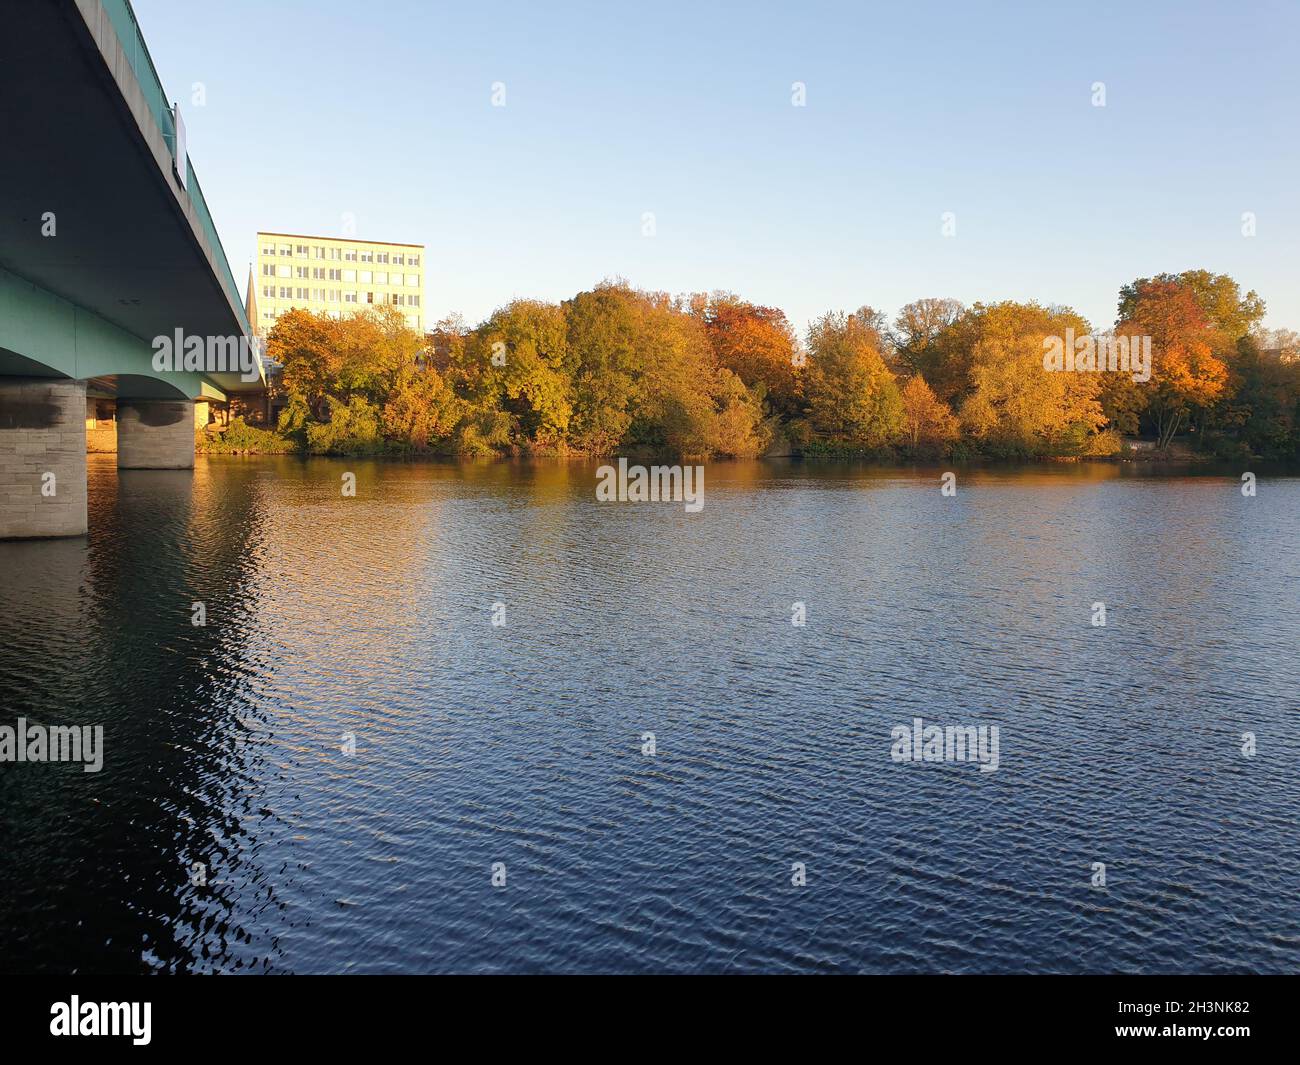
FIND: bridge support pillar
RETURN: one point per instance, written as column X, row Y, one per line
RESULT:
column 42, row 458
column 155, row 434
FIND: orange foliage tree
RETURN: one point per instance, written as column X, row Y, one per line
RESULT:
column 755, row 343
column 928, row 422
column 1185, row 373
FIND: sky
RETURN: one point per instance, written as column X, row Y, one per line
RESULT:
column 315, row 109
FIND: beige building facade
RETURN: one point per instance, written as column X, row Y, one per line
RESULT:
column 335, row 275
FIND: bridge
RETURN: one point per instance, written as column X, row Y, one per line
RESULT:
column 106, row 245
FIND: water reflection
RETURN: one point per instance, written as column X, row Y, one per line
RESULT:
column 329, row 618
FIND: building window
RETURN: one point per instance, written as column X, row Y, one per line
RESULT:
column 286, row 293
column 399, row 259
column 350, row 275
column 370, row 297
column 268, row 249
column 318, row 252
column 332, row 296
column 284, row 270
column 301, row 272
column 268, row 290
column 335, row 253
column 412, row 280
column 413, row 260
column 301, row 251
column 349, row 297
column 336, row 275
column 350, row 256
column 381, row 277
column 413, row 300
column 286, row 249
column 268, row 270
column 367, row 257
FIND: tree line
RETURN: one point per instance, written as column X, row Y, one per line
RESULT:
column 617, row 370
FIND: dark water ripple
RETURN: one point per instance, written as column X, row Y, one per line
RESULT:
column 474, row 744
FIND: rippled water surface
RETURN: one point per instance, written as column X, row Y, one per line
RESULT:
column 522, row 744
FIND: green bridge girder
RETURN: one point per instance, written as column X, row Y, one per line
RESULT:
column 44, row 335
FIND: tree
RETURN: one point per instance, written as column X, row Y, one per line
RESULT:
column 421, row 408
column 1219, row 297
column 928, row 423
column 339, row 374
column 755, row 343
column 851, row 392
column 739, row 429
column 351, row 428
column 308, row 349
column 1263, row 414
column 1185, row 372
column 1284, row 342
column 916, row 329
column 605, row 362
column 946, row 364
column 1014, row 405
column 520, row 356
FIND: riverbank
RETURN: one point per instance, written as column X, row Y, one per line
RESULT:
column 240, row 438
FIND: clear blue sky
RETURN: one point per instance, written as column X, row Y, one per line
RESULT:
column 683, row 109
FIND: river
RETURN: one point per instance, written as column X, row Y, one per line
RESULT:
column 643, row 765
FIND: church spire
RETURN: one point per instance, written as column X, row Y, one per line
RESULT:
column 250, row 303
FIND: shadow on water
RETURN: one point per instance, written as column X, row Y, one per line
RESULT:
column 100, row 632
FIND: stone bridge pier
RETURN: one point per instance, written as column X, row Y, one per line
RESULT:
column 155, row 434
column 43, row 451
column 42, row 457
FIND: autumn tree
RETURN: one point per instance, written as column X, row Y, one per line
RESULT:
column 928, row 423
column 851, row 392
column 739, row 429
column 421, row 409
column 1185, row 372
column 520, row 355
column 1226, row 311
column 946, row 362
column 917, row 328
column 616, row 367
column 755, row 343
column 311, row 358
column 1014, row 405
column 349, row 381
column 375, row 347
column 603, row 329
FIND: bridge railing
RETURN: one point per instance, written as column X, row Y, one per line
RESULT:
column 137, row 54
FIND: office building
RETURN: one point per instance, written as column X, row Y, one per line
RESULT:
column 336, row 275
